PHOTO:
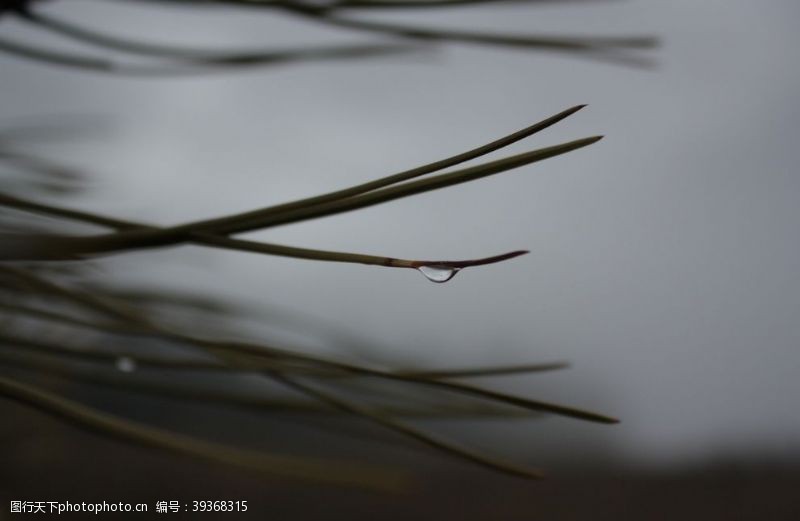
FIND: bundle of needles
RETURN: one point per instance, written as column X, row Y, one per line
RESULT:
column 41, row 283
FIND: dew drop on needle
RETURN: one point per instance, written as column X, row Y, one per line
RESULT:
column 438, row 273
column 125, row 364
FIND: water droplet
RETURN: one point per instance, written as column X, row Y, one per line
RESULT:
column 126, row 364
column 438, row 273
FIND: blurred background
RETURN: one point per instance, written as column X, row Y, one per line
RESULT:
column 663, row 260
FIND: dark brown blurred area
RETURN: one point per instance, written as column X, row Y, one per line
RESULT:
column 45, row 460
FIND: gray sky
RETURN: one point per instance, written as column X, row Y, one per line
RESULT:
column 664, row 258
